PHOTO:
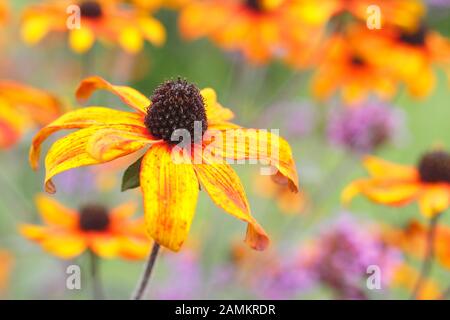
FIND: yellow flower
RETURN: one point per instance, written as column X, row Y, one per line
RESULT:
column 100, row 19
column 170, row 188
column 6, row 264
column 397, row 185
column 22, row 107
column 68, row 233
column 259, row 29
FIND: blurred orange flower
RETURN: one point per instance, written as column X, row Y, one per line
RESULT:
column 259, row 29
column 4, row 12
column 6, row 264
column 68, row 233
column 400, row 13
column 348, row 67
column 413, row 240
column 99, row 19
column 22, row 107
column 170, row 188
column 397, row 185
column 405, row 277
column 154, row 5
column 288, row 202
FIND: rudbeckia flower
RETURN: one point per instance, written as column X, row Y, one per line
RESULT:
column 99, row 19
column 259, row 29
column 6, row 264
column 349, row 69
column 67, row 233
column 397, row 185
column 22, row 107
column 170, row 188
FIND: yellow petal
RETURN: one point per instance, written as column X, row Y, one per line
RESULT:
column 129, row 96
column 71, row 152
column 254, row 144
column 380, row 168
column 153, row 30
column 214, row 111
column 81, row 40
column 35, row 28
column 33, row 232
column 104, row 246
column 130, row 39
column 225, row 189
column 396, row 194
column 64, row 245
column 434, row 200
column 82, row 118
column 54, row 213
column 134, row 248
column 124, row 211
column 170, row 196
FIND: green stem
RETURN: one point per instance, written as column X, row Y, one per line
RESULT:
column 97, row 290
column 142, row 285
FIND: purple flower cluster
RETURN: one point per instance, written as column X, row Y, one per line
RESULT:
column 344, row 251
column 363, row 128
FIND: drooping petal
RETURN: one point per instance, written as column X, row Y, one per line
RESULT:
column 54, row 213
column 73, row 151
column 434, row 200
column 129, row 96
column 152, row 30
column 254, row 144
column 105, row 246
column 82, row 118
column 225, row 189
column 380, row 168
column 396, row 194
column 170, row 196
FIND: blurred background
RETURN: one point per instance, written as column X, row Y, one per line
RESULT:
column 320, row 249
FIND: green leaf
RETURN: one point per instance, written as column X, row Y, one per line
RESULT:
column 130, row 179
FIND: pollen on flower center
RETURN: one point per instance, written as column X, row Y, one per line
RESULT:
column 435, row 167
column 94, row 218
column 90, row 9
column 416, row 38
column 176, row 104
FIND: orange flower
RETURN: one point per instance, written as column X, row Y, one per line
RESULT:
column 68, row 233
column 170, row 188
column 348, row 67
column 397, row 185
column 288, row 202
column 405, row 277
column 401, row 13
column 22, row 107
column 3, row 11
column 413, row 241
column 154, row 5
column 100, row 19
column 412, row 55
column 6, row 263
column 259, row 29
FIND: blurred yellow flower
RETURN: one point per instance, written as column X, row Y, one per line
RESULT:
column 170, row 188
column 99, row 19
column 22, row 107
column 258, row 29
column 397, row 185
column 6, row 264
column 3, row 11
column 108, row 233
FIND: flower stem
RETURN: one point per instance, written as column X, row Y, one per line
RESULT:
column 428, row 257
column 142, row 285
column 95, row 277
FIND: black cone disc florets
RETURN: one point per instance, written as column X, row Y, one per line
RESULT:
column 94, row 218
column 434, row 167
column 254, row 5
column 176, row 104
column 91, row 9
column 416, row 38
